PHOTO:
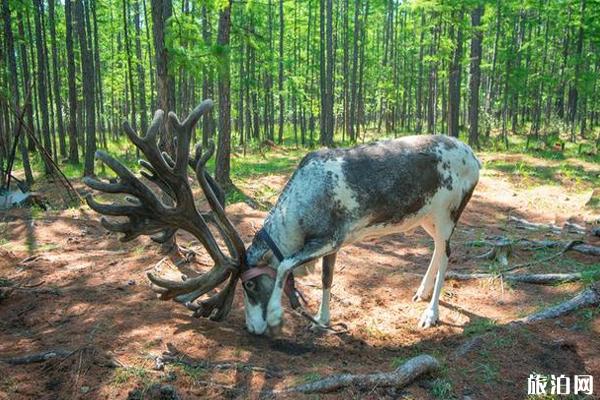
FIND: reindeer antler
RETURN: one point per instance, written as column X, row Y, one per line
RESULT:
column 148, row 215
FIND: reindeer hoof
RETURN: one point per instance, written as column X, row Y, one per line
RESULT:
column 416, row 298
column 320, row 327
column 421, row 296
column 428, row 319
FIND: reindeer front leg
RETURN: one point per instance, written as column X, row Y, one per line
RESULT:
column 326, row 279
column 313, row 249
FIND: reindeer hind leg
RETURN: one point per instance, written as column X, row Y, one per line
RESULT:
column 444, row 226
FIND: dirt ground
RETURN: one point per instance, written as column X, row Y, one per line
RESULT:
column 87, row 294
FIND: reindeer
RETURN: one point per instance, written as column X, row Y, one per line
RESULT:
column 334, row 198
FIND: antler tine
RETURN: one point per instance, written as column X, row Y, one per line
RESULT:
column 217, row 208
column 154, row 127
column 218, row 306
column 201, row 284
column 148, row 215
column 198, row 112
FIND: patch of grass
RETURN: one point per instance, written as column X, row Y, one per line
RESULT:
column 193, row 372
column 591, row 275
column 487, row 373
column 501, row 341
column 139, row 250
column 255, row 164
column 311, row 377
column 47, row 247
column 586, row 317
column 545, row 174
column 398, row 361
column 479, row 326
column 123, row 375
column 441, row 388
column 5, row 282
column 234, row 196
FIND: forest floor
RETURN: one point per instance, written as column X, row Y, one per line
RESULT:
column 88, row 294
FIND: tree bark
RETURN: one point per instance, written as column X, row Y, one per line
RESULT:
column 454, row 77
column 161, row 11
column 129, row 67
column 42, row 83
column 140, row 68
column 56, row 79
column 280, row 86
column 14, row 88
column 222, row 168
column 71, row 75
column 208, row 122
column 475, row 72
column 89, row 98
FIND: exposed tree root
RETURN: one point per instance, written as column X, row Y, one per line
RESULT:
column 588, row 297
column 540, row 279
column 37, row 357
column 401, row 377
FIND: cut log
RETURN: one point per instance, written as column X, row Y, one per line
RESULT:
column 401, row 377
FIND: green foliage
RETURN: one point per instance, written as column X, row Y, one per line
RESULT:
column 479, row 326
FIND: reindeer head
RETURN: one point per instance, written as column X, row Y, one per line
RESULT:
column 148, row 214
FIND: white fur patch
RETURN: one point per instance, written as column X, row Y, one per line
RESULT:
column 254, row 317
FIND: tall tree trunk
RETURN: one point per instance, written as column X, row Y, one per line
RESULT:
column 161, row 11
column 354, row 78
column 89, row 99
column 56, row 83
column 222, row 168
column 42, row 83
column 419, row 99
column 14, row 88
column 24, row 55
column 280, row 86
column 129, row 67
column 322, row 73
column 140, row 67
column 72, row 127
column 573, row 91
column 475, row 72
column 454, row 77
column 330, row 74
column 208, row 122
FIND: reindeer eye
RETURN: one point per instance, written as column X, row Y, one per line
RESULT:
column 249, row 285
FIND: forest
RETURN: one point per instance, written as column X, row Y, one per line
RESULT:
column 304, row 73
column 440, row 159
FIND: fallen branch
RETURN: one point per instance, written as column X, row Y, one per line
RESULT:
column 588, row 297
column 540, row 279
column 568, row 247
column 37, row 357
column 401, row 377
column 533, row 226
